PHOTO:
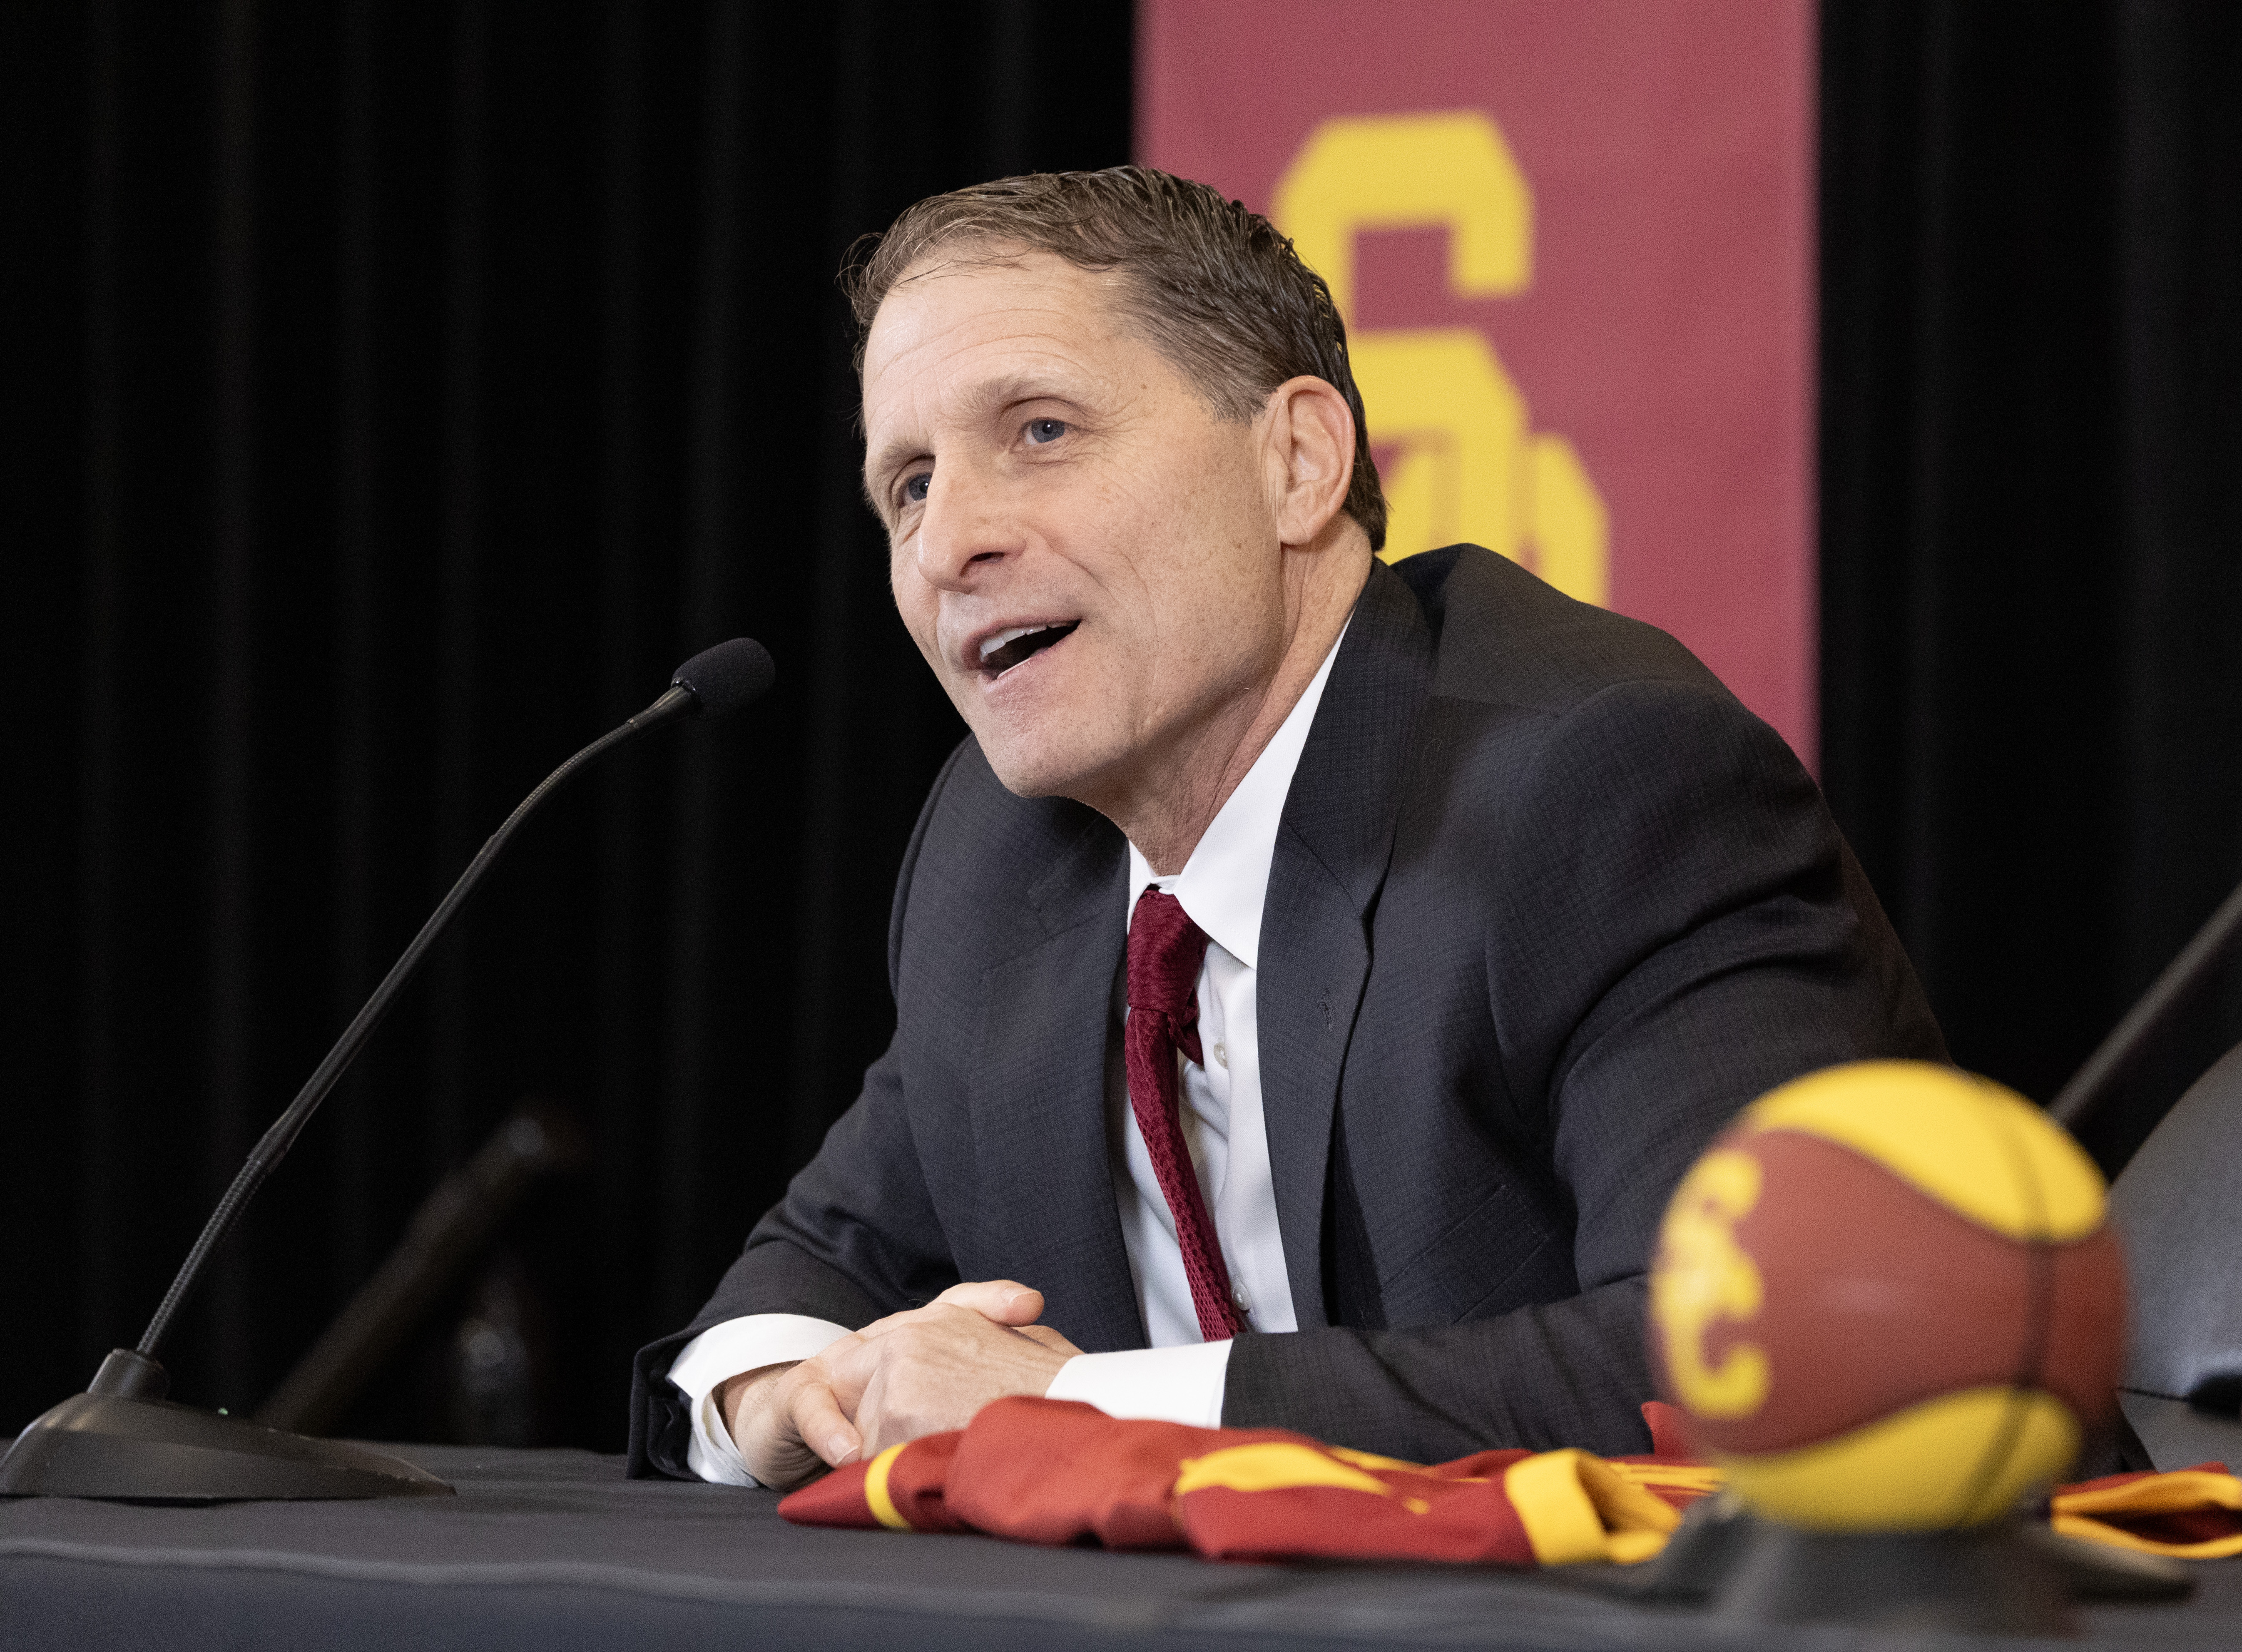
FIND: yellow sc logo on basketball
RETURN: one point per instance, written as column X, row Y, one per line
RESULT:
column 1703, row 1276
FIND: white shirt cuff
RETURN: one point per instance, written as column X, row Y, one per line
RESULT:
column 1179, row 1384
column 721, row 1352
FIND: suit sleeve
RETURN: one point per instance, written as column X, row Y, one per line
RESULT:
column 1673, row 926
column 854, row 1239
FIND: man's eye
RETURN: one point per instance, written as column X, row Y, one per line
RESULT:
column 915, row 488
column 1044, row 431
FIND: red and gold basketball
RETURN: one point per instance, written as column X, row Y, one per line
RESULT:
column 1887, row 1299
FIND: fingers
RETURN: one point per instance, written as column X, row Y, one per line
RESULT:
column 910, row 1373
column 934, row 1369
column 819, row 1424
column 1006, row 1301
column 789, row 1424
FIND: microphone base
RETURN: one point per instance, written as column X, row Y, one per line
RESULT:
column 142, row 1449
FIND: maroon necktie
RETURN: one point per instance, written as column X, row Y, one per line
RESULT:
column 1165, row 949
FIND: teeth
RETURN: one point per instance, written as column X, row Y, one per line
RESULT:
column 1012, row 635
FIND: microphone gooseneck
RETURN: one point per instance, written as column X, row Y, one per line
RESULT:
column 2170, row 993
column 716, row 683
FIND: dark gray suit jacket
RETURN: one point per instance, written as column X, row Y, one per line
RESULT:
column 1547, row 907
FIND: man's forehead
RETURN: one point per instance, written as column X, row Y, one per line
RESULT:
column 959, row 335
column 1033, row 300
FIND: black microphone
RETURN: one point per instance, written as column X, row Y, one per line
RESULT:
column 121, row 1438
column 728, row 678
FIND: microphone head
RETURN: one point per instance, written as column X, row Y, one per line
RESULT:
column 729, row 677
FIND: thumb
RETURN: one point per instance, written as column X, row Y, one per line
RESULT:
column 1006, row 1301
column 819, row 1424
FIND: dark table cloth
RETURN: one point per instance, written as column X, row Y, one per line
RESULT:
column 553, row 1550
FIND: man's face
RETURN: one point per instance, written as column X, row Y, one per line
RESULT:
column 1086, row 554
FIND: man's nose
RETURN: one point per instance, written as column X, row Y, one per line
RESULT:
column 963, row 531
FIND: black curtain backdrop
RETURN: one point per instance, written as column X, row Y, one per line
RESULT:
column 2031, row 510
column 393, row 395
column 399, row 395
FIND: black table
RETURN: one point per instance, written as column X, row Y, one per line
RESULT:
column 555, row 1550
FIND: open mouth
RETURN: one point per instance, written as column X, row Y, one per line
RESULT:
column 1007, row 649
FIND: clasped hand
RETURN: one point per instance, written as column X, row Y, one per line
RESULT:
column 911, row 1373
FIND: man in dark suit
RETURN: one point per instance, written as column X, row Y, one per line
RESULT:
column 1320, row 971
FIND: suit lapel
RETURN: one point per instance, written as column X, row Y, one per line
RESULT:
column 1332, row 846
column 1038, row 1097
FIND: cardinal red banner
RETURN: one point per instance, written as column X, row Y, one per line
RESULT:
column 1572, row 240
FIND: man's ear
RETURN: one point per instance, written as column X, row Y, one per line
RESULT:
column 1310, row 456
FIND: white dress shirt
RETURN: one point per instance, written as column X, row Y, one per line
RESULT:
column 1179, row 1378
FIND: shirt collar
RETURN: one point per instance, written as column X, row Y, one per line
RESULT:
column 1224, row 883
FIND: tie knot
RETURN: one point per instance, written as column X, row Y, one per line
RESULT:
column 1165, row 950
